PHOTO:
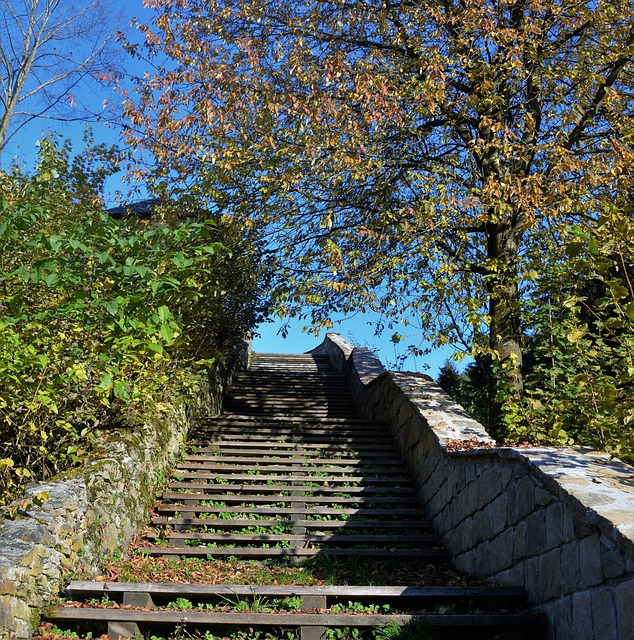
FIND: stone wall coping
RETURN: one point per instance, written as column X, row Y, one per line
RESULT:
column 600, row 487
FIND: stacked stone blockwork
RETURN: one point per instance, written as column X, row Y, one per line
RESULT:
column 559, row 522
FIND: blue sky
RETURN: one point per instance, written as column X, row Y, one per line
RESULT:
column 359, row 329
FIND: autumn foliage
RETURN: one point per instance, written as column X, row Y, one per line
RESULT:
column 423, row 159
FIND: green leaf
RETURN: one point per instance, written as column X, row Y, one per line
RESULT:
column 112, row 307
column 105, row 382
column 166, row 333
column 575, row 335
column 574, row 249
column 593, row 246
column 164, row 313
column 157, row 348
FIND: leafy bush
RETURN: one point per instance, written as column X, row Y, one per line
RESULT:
column 580, row 369
column 579, row 356
column 102, row 320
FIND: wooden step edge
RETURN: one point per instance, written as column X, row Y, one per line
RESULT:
column 330, row 420
column 299, row 496
column 83, row 588
column 235, row 447
column 317, row 511
column 307, row 538
column 209, row 488
column 208, row 618
column 275, row 466
column 292, row 552
column 422, row 525
column 365, row 481
column 294, row 457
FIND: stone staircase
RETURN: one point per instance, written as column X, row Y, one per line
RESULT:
column 290, row 474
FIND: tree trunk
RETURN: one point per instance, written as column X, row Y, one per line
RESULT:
column 505, row 335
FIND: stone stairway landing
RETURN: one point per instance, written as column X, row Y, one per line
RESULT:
column 290, row 475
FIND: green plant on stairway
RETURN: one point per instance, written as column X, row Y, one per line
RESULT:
column 290, row 603
column 359, row 607
column 256, row 603
column 411, row 631
column 65, row 633
column 181, row 603
column 343, row 633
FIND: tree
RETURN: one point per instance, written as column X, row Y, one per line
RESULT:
column 580, row 373
column 50, row 51
column 404, row 155
column 468, row 388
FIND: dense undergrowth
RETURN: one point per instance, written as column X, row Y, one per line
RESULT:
column 101, row 320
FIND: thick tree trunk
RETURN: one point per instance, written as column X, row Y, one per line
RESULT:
column 505, row 335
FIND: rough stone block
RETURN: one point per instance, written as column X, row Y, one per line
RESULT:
column 568, row 524
column 590, row 569
column 486, row 481
column 465, row 561
column 313, row 633
column 119, row 630
column 582, row 625
column 507, row 542
column 470, row 473
column 525, row 498
column 542, row 497
column 313, row 602
column 15, row 617
column 560, row 618
column 623, row 599
column 467, row 535
column 519, row 541
column 553, row 517
column 138, row 599
column 612, row 559
column 531, row 577
column 465, row 503
column 505, row 475
column 536, row 534
column 570, row 567
column 549, row 575
column 604, row 614
column 483, row 560
column 501, row 551
column 499, row 513
column 516, row 575
column 477, row 520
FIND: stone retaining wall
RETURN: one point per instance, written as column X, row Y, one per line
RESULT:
column 557, row 521
column 88, row 514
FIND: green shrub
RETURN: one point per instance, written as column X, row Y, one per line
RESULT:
column 103, row 320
